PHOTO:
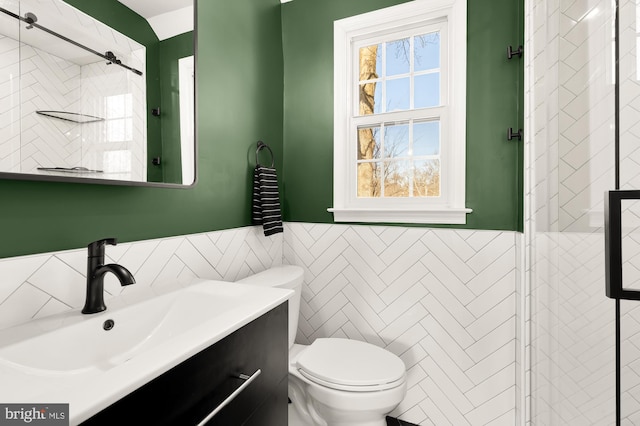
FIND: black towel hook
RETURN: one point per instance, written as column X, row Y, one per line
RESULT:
column 511, row 53
column 262, row 145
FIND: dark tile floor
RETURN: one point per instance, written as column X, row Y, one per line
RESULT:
column 392, row 421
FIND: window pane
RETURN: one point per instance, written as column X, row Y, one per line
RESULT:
column 377, row 99
column 369, row 58
column 396, row 140
column 397, row 175
column 369, row 179
column 370, row 98
column 128, row 104
column 398, row 94
column 115, row 106
column 119, row 106
column 398, row 57
column 119, row 130
column 427, row 90
column 426, row 51
column 426, row 178
column 426, row 138
column 368, row 143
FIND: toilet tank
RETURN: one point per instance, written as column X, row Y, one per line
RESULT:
column 284, row 276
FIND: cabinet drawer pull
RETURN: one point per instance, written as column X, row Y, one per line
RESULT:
column 247, row 382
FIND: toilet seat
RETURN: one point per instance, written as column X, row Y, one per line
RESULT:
column 351, row 365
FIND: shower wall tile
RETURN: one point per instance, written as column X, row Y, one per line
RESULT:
column 47, row 83
column 566, row 326
column 102, row 87
column 443, row 300
column 32, row 79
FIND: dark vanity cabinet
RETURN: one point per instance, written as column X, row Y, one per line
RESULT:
column 189, row 392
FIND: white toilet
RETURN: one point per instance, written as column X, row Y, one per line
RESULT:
column 336, row 382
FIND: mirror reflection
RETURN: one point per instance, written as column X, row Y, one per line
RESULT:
column 82, row 101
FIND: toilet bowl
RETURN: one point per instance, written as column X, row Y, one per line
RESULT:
column 335, row 381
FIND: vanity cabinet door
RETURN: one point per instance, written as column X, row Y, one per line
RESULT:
column 189, row 392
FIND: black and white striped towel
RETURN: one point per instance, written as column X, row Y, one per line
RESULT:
column 266, row 200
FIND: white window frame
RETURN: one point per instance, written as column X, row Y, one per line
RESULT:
column 349, row 34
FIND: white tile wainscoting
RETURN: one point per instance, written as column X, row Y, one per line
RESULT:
column 443, row 300
column 43, row 284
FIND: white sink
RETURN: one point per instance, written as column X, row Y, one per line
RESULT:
column 71, row 358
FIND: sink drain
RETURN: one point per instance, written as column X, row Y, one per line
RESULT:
column 108, row 324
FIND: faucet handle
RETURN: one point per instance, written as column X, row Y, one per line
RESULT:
column 96, row 248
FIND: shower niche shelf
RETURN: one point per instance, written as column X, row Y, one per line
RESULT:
column 73, row 117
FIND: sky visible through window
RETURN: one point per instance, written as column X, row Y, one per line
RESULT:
column 400, row 158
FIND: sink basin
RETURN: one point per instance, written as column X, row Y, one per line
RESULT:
column 91, row 361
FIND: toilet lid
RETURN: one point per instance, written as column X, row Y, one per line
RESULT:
column 347, row 364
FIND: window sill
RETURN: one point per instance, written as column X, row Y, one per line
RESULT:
column 457, row 216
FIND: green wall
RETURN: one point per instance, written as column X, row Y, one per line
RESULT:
column 239, row 93
column 493, row 188
column 240, row 90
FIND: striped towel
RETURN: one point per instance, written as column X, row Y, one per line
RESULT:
column 266, row 201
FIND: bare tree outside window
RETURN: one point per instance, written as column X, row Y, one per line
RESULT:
column 390, row 162
column 367, row 179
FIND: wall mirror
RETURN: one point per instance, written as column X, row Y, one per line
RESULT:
column 98, row 92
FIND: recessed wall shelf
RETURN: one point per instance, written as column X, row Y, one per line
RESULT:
column 71, row 116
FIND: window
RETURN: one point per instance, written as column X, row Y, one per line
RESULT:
column 399, row 114
column 119, row 117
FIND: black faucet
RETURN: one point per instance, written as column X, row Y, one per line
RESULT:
column 95, row 276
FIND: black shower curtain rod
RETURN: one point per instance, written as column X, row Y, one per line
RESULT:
column 31, row 19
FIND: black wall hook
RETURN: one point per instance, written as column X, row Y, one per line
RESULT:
column 511, row 53
column 512, row 135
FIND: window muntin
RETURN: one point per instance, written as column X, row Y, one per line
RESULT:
column 399, row 159
column 400, row 74
column 359, row 127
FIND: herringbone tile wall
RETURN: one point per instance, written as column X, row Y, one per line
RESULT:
column 48, row 83
column 630, row 179
column 107, row 145
column 43, row 284
column 9, row 105
column 569, row 157
column 32, row 79
column 443, row 300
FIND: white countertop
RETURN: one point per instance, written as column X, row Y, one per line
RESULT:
column 94, row 386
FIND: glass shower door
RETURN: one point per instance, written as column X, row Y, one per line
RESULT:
column 570, row 157
column 629, row 179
